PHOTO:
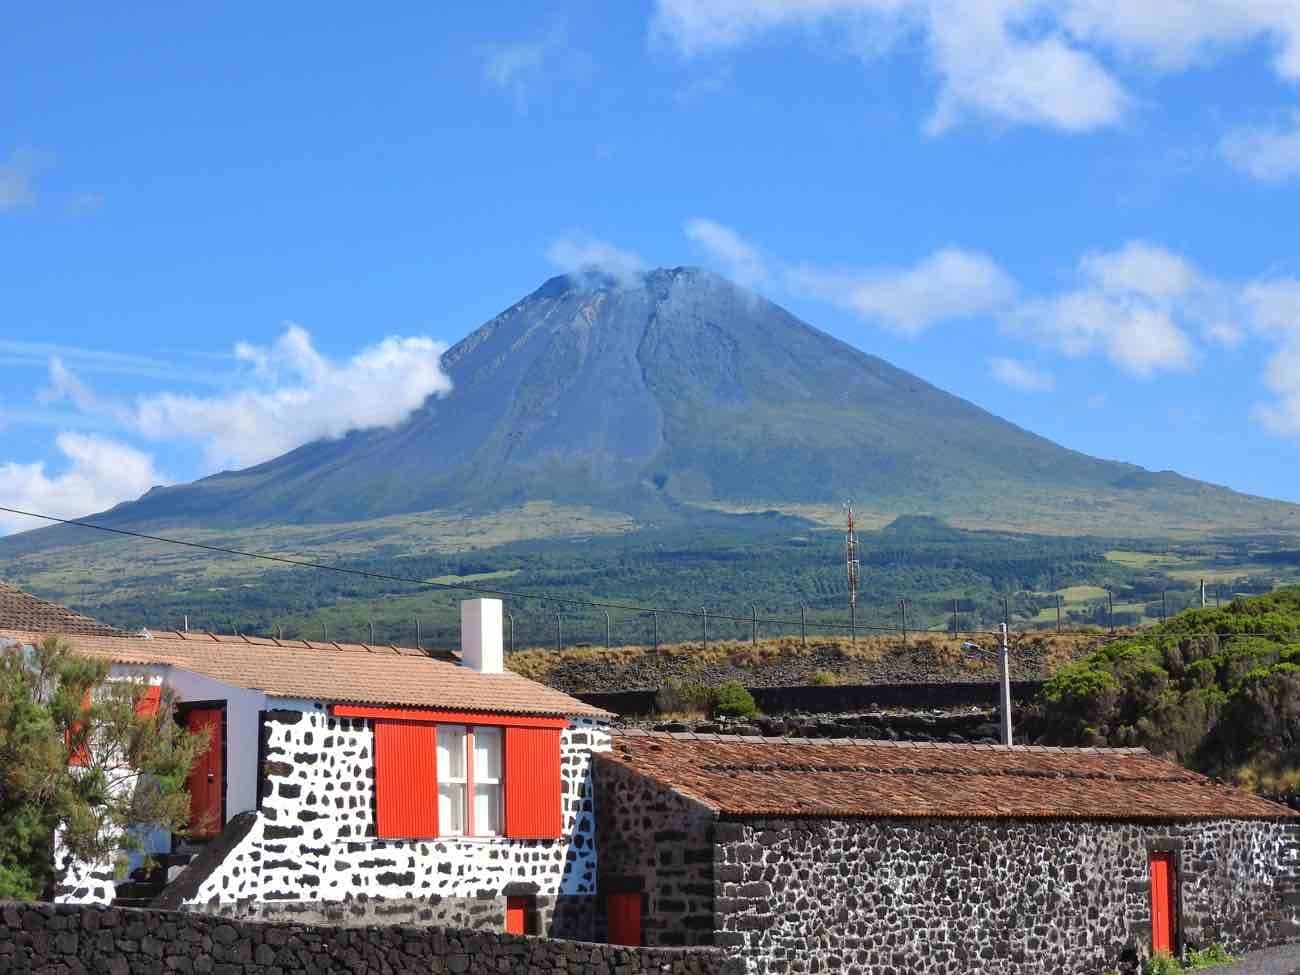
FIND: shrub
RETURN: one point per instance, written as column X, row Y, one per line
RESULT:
column 822, row 678
column 1162, row 963
column 733, row 700
column 1208, row 957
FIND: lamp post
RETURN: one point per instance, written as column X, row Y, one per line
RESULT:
column 1004, row 666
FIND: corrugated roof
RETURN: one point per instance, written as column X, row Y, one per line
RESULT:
column 349, row 672
column 21, row 610
column 744, row 777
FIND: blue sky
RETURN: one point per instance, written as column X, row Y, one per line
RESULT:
column 227, row 231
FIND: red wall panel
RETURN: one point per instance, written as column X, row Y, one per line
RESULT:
column 532, row 776
column 205, row 780
column 406, row 779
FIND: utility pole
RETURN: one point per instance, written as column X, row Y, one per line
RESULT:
column 1004, row 664
column 1202, row 594
column 851, row 566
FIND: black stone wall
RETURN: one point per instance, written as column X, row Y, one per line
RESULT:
column 652, row 840
column 72, row 939
column 953, row 897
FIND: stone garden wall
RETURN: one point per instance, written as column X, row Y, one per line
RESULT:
column 65, row 938
column 952, row 897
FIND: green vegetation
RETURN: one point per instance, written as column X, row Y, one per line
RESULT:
column 1219, row 688
column 1162, row 963
column 131, row 767
column 727, row 700
column 1210, row 957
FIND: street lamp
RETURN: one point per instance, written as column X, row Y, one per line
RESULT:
column 1004, row 665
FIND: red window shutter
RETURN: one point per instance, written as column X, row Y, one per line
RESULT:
column 406, row 780
column 532, row 773
column 148, row 703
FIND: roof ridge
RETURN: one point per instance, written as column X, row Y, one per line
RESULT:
column 874, row 742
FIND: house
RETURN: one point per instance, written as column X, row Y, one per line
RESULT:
column 24, row 612
column 348, row 782
column 890, row 857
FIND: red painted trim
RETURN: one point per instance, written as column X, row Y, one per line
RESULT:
column 406, row 780
column 532, row 783
column 432, row 716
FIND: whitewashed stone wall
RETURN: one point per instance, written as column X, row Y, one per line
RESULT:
column 314, row 842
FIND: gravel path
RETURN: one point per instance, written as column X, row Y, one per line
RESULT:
column 1283, row 960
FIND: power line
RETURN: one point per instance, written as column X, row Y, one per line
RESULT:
column 427, row 583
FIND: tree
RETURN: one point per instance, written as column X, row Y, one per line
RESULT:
column 84, row 758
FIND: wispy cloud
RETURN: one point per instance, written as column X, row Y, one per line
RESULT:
column 581, row 252
column 520, row 67
column 741, row 259
column 96, row 474
column 290, row 395
column 14, row 352
column 1021, row 375
column 1014, row 61
column 1270, row 154
column 949, row 284
column 17, row 187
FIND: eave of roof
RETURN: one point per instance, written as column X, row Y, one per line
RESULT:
column 739, row 777
column 337, row 672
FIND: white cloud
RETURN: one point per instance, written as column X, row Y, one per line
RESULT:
column 583, row 253
column 291, row 396
column 98, row 474
column 1021, row 375
column 1018, row 61
column 743, row 261
column 949, row 284
column 1267, row 153
column 16, row 175
column 1274, row 309
column 520, row 68
column 1136, row 306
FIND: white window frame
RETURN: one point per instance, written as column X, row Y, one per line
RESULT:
column 469, row 784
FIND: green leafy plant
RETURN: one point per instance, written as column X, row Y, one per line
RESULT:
column 128, row 776
column 1210, row 957
column 733, row 700
column 1162, row 963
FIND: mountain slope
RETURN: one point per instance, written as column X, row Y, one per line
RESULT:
column 682, row 388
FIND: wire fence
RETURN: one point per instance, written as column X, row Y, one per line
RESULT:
column 541, row 619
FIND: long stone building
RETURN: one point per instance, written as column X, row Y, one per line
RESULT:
column 891, row 858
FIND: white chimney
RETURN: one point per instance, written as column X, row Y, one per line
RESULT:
column 481, row 635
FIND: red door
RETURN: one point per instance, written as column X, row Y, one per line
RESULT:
column 623, row 916
column 204, row 782
column 517, row 915
column 1163, row 902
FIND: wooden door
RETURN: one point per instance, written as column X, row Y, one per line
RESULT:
column 1164, row 903
column 517, row 915
column 205, row 782
column 623, row 917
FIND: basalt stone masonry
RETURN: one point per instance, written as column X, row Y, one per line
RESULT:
column 314, row 843
column 65, row 938
column 877, row 858
column 951, row 897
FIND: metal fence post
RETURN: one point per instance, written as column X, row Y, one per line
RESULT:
column 558, row 635
column 372, row 631
column 606, row 629
column 753, row 624
column 511, row 618
column 655, row 615
column 417, row 634
column 704, row 615
column 803, row 623
column 902, row 606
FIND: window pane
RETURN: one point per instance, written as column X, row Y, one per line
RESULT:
column 487, row 754
column 451, row 753
column 451, row 808
column 487, row 810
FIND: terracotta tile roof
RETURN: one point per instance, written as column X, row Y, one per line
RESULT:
column 742, row 777
column 347, row 672
column 22, row 611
